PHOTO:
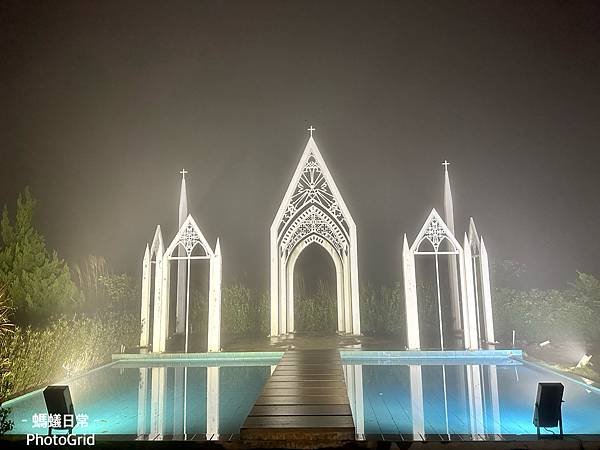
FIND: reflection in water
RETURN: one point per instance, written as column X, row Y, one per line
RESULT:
column 416, row 402
column 420, row 400
column 354, row 385
column 158, row 402
column 179, row 403
column 212, row 403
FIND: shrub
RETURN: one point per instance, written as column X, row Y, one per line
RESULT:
column 382, row 310
column 65, row 347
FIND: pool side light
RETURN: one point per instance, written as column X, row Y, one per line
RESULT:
column 548, row 407
column 58, row 402
column 584, row 361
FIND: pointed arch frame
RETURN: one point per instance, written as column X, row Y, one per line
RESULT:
column 189, row 237
column 313, row 211
column 436, row 231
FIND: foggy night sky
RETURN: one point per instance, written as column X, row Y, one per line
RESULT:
column 104, row 102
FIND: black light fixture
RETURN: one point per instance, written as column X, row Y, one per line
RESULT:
column 58, row 401
column 548, row 406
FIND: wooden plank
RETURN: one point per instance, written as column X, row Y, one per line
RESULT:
column 304, row 383
column 302, row 391
column 305, row 400
column 306, row 377
column 301, row 410
column 300, row 422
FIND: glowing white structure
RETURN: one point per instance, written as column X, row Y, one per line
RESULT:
column 151, row 303
column 190, row 238
column 452, row 268
column 481, row 285
column 181, row 266
column 313, row 211
column 429, row 241
column 154, row 395
column 189, row 244
column 472, row 281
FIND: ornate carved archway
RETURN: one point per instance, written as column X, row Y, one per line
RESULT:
column 313, row 212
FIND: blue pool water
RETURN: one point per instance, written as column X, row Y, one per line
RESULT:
column 418, row 397
column 113, row 399
column 478, row 400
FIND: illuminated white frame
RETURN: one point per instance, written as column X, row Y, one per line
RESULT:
column 315, row 215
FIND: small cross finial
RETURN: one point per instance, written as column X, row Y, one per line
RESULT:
column 445, row 164
column 311, row 129
column 183, row 172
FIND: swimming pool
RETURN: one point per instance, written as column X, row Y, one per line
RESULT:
column 460, row 398
column 391, row 393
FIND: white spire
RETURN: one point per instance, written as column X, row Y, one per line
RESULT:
column 452, row 266
column 181, row 265
column 183, row 208
column 448, row 204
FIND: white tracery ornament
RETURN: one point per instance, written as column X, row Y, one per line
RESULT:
column 435, row 233
column 313, row 211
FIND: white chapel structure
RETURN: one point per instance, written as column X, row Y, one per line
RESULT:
column 313, row 212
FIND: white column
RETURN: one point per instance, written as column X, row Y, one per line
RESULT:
column 354, row 282
column 290, row 293
column 214, row 301
column 347, row 293
column 164, row 308
column 158, row 301
column 145, row 310
column 212, row 403
column 283, row 261
column 339, row 278
column 274, row 285
column 416, row 402
column 463, row 301
column 487, row 294
column 410, row 297
column 470, row 299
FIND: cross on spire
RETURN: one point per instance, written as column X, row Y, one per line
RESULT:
column 445, row 164
column 311, row 129
column 183, row 172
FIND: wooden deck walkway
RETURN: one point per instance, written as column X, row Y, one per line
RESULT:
column 304, row 399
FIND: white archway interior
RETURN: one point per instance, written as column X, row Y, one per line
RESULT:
column 313, row 211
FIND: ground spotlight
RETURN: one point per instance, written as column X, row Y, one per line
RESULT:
column 584, row 361
column 58, row 402
column 548, row 406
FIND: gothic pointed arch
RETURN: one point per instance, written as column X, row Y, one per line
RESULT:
column 312, row 211
column 189, row 237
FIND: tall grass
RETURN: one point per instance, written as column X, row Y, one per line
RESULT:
column 315, row 311
column 66, row 347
